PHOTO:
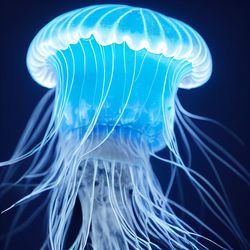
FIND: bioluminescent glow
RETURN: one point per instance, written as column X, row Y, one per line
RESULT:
column 115, row 71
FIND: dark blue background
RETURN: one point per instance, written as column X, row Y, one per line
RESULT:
column 223, row 24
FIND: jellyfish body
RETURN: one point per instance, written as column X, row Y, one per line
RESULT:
column 116, row 71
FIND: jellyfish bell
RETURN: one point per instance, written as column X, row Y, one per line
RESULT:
column 115, row 70
column 128, row 59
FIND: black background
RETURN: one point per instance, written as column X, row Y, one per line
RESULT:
column 224, row 25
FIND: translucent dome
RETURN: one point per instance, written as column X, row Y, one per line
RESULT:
column 140, row 28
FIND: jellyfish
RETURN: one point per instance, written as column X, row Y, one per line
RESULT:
column 113, row 72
